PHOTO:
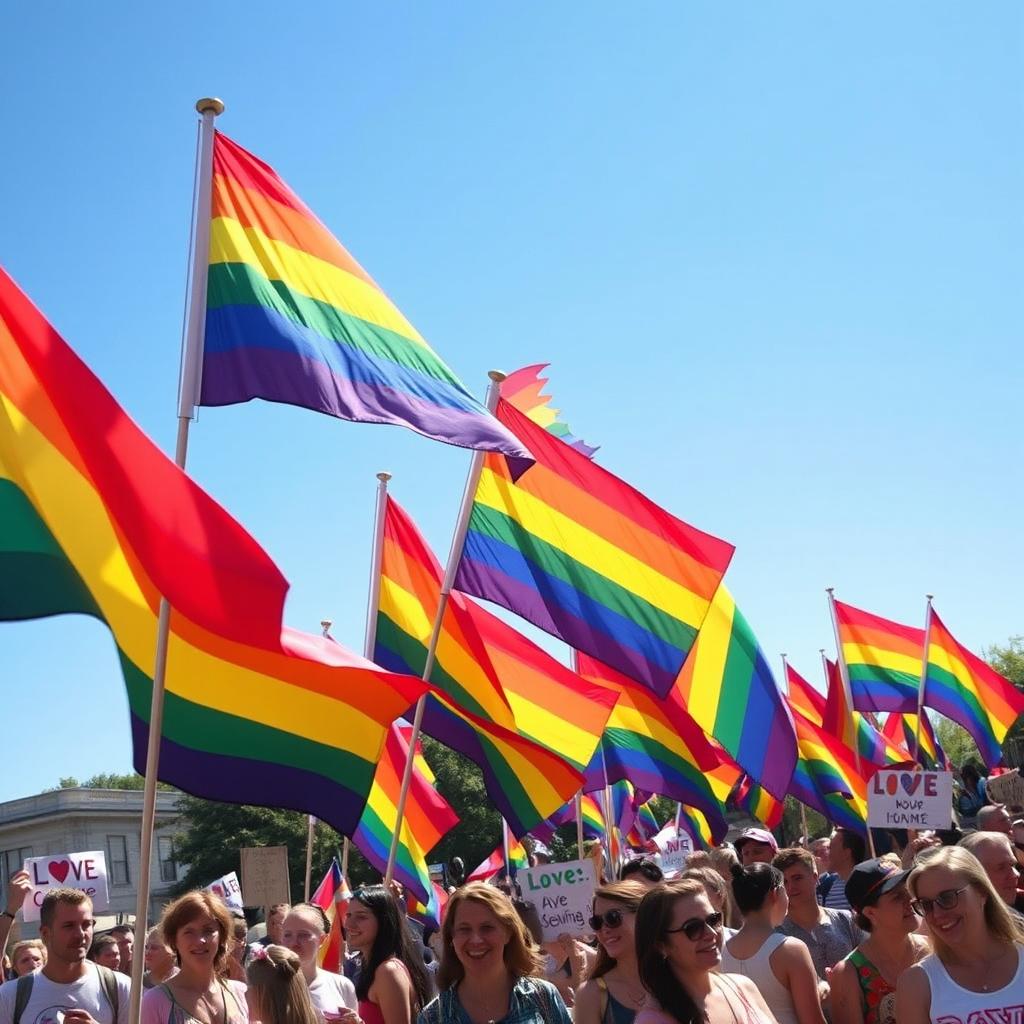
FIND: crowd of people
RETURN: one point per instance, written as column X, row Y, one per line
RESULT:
column 746, row 934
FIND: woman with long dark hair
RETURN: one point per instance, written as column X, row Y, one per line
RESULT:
column 393, row 983
column 678, row 943
column 613, row 993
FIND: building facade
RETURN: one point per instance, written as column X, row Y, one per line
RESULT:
column 77, row 820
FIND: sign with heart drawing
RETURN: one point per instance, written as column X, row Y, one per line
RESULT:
column 85, row 871
column 915, row 799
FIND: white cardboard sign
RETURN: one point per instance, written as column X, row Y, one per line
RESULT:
column 674, row 845
column 563, row 895
column 914, row 799
column 228, row 889
column 85, row 871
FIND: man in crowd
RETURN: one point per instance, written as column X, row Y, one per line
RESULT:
column 846, row 850
column 276, row 914
column 756, row 846
column 819, row 847
column 995, row 818
column 125, row 944
column 995, row 852
column 830, row 935
column 68, row 984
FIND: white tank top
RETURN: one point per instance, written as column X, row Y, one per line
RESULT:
column 759, row 970
column 951, row 1004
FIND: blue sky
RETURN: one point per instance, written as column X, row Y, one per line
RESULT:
column 773, row 253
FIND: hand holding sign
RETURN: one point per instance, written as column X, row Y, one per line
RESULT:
column 18, row 888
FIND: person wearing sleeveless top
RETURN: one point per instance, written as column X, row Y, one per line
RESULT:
column 864, row 983
column 613, row 993
column 276, row 990
column 197, row 927
column 489, row 968
column 678, row 943
column 779, row 966
column 977, row 970
column 305, row 932
column 394, row 983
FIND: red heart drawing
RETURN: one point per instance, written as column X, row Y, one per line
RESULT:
column 59, row 869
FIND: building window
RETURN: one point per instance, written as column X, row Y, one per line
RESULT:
column 168, row 865
column 117, row 859
column 12, row 861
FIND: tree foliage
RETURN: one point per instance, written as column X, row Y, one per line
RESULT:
column 106, row 780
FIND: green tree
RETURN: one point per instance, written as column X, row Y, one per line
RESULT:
column 106, row 780
column 956, row 742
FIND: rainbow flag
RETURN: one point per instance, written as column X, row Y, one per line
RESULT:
column 523, row 389
column 482, row 663
column 584, row 556
column 94, row 519
column 728, row 688
column 291, row 317
column 804, row 698
column 901, row 730
column 758, row 803
column 654, row 744
column 429, row 915
column 590, row 811
column 645, row 826
column 883, row 660
column 427, row 818
column 495, row 862
column 961, row 686
column 852, row 728
column 691, row 821
column 332, row 896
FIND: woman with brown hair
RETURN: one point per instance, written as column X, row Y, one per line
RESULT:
column 197, row 927
column 488, row 967
column 678, row 947
column 613, row 992
column 977, row 969
column 276, row 991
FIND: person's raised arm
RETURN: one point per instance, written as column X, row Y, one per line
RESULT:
column 17, row 889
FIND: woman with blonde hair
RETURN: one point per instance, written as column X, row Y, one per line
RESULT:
column 27, row 956
column 977, row 968
column 488, row 966
column 304, row 932
column 613, row 992
column 197, row 927
column 276, row 992
column 718, row 892
column 158, row 958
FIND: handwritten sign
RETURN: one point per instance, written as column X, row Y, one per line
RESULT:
column 85, row 871
column 901, row 799
column 228, row 889
column 1006, row 788
column 563, row 895
column 265, row 876
column 674, row 845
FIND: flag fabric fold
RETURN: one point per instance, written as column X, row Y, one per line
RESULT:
column 291, row 317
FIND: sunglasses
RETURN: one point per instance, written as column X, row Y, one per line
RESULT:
column 611, row 918
column 694, row 928
column 946, row 900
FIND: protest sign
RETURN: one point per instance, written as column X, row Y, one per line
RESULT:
column 1006, row 788
column 85, row 871
column 228, row 889
column 914, row 799
column 674, row 845
column 563, row 895
column 265, row 876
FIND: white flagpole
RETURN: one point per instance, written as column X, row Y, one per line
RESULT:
column 844, row 677
column 191, row 368
column 310, row 835
column 578, row 799
column 454, row 555
column 924, row 677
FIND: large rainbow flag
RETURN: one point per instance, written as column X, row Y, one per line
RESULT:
column 291, row 317
column 961, row 686
column 586, row 557
column 428, row 816
column 883, row 660
column 95, row 519
column 728, row 688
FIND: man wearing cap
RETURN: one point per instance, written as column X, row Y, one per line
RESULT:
column 830, row 935
column 756, row 846
column 864, row 984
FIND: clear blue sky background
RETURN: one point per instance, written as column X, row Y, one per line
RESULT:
column 772, row 251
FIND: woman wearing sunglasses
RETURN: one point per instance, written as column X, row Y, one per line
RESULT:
column 678, row 940
column 613, row 993
column 977, row 970
column 779, row 966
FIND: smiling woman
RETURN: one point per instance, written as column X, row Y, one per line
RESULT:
column 488, row 966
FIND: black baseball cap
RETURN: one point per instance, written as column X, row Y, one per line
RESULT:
column 871, row 879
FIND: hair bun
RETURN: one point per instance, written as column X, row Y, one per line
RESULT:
column 738, row 871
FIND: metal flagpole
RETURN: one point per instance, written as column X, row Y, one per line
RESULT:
column 844, row 678
column 803, row 809
column 578, row 799
column 924, row 677
column 310, row 835
column 190, row 376
column 454, row 555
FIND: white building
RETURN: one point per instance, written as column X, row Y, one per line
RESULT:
column 77, row 820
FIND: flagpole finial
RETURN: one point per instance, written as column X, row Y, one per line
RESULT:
column 325, row 625
column 830, row 590
column 929, row 596
column 383, row 476
column 496, row 375
column 210, row 103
